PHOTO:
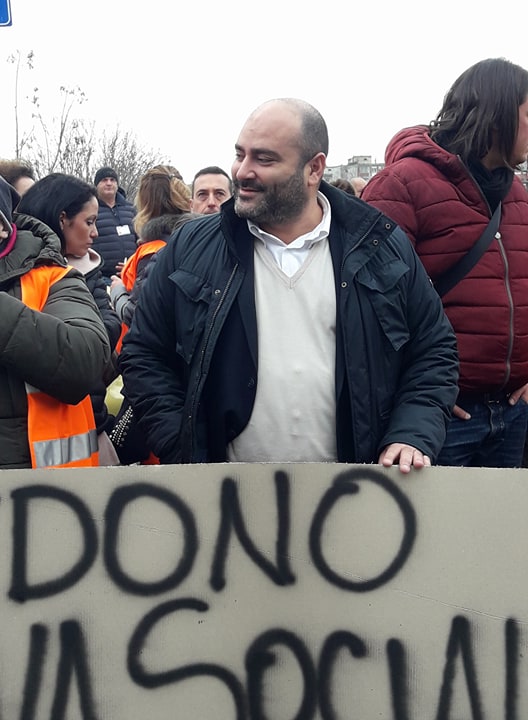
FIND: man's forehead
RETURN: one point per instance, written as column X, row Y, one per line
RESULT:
column 270, row 128
column 212, row 180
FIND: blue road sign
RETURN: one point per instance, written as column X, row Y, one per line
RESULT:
column 5, row 12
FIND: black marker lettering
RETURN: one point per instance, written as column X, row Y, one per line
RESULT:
column 334, row 643
column 37, row 655
column 73, row 657
column 232, row 518
column 259, row 659
column 398, row 678
column 21, row 590
column 116, row 505
column 347, row 484
column 459, row 642
column 153, row 680
column 512, row 669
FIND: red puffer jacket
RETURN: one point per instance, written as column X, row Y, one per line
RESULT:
column 433, row 197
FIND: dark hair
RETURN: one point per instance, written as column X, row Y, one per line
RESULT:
column 13, row 170
column 314, row 132
column 482, row 108
column 345, row 185
column 212, row 170
column 54, row 194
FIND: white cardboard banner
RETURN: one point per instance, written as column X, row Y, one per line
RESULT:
column 277, row 592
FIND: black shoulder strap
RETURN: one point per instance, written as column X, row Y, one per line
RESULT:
column 454, row 275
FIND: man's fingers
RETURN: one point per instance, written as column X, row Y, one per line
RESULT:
column 405, row 456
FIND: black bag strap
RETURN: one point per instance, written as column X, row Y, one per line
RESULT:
column 454, row 275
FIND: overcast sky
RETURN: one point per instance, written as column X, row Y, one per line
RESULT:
column 183, row 77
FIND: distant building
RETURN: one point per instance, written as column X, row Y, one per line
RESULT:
column 362, row 166
column 357, row 166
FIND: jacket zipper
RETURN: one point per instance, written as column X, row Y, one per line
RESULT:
column 506, row 280
column 202, row 356
column 345, row 256
column 510, row 302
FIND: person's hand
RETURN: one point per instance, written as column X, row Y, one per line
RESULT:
column 115, row 280
column 461, row 413
column 516, row 395
column 119, row 267
column 513, row 399
column 406, row 456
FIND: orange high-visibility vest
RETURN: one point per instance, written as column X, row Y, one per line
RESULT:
column 60, row 435
column 129, row 271
column 129, row 274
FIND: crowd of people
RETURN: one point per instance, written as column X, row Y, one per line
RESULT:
column 270, row 316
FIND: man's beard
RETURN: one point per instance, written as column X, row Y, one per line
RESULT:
column 277, row 203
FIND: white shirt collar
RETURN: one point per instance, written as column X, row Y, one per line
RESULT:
column 320, row 231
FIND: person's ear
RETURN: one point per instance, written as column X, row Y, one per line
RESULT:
column 316, row 167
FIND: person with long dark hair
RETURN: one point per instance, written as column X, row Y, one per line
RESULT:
column 452, row 186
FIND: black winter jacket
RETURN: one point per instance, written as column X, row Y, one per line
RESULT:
column 189, row 361
column 110, row 245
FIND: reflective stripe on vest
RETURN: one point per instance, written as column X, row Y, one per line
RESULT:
column 60, row 435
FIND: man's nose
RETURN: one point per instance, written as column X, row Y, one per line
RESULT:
column 244, row 169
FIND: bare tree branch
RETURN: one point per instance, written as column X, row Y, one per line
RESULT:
column 68, row 144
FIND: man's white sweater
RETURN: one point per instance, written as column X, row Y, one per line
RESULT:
column 293, row 418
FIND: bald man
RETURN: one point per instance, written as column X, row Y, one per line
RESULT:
column 296, row 325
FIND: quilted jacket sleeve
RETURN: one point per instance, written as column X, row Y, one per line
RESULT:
column 61, row 350
column 388, row 192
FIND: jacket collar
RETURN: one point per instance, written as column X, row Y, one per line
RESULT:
column 354, row 224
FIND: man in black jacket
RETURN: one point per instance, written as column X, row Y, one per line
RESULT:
column 116, row 239
column 295, row 325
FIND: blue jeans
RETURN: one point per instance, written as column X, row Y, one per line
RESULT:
column 493, row 437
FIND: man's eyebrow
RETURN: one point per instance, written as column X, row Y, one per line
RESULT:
column 266, row 151
column 262, row 151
